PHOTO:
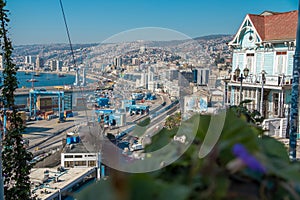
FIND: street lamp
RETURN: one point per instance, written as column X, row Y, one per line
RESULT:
column 237, row 73
column 263, row 80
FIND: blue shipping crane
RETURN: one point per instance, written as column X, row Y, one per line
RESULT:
column 61, row 102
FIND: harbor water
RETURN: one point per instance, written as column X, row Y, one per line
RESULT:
column 44, row 79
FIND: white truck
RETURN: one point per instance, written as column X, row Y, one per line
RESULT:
column 136, row 147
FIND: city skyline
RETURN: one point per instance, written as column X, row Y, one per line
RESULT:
column 41, row 22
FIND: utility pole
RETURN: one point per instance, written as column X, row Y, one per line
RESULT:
column 294, row 123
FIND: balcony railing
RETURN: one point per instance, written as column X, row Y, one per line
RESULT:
column 275, row 127
column 271, row 80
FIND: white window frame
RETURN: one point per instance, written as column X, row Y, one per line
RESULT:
column 280, row 58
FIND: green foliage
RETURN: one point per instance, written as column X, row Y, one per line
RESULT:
column 16, row 167
column 173, row 121
column 251, row 116
column 145, row 122
column 161, row 139
column 142, row 186
column 218, row 175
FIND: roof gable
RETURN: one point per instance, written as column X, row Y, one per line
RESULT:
column 258, row 23
column 269, row 26
column 247, row 27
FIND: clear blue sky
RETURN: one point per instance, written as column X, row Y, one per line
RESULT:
column 41, row 21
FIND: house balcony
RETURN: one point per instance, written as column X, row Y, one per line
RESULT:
column 271, row 82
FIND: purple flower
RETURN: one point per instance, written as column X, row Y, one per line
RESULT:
column 250, row 161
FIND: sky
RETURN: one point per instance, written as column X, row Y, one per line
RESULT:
column 95, row 21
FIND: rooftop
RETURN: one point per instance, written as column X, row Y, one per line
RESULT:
column 275, row 26
column 49, row 182
column 75, row 148
column 90, row 140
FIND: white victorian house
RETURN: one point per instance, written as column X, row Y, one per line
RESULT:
column 262, row 65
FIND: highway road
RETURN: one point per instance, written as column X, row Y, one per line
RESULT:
column 157, row 123
column 45, row 135
column 157, row 116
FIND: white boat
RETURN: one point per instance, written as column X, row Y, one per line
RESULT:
column 32, row 80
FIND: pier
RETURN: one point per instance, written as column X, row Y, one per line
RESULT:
column 22, row 94
column 25, row 91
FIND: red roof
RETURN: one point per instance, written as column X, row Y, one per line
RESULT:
column 276, row 26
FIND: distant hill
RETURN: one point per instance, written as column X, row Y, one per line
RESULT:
column 212, row 37
column 200, row 48
column 36, row 49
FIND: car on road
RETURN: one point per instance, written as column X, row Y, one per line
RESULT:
column 136, row 147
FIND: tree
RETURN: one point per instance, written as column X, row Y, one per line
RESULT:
column 16, row 158
column 173, row 121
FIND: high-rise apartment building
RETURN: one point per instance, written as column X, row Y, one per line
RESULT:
column 53, row 65
column 56, row 65
column 201, row 76
column 30, row 60
column 39, row 62
column 59, row 65
column 118, row 61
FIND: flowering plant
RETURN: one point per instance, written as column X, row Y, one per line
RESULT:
column 243, row 164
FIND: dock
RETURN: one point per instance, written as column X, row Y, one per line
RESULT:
column 25, row 91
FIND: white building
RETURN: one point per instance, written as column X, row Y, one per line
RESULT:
column 59, row 65
column 30, row 60
column 52, row 65
column 144, row 80
column 265, row 44
column 39, row 63
column 76, row 155
column 172, row 88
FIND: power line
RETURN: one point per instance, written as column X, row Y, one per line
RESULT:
column 68, row 33
column 74, row 61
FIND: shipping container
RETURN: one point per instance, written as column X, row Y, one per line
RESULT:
column 68, row 113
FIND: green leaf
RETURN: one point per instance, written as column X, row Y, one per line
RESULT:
column 273, row 148
column 145, row 187
column 99, row 190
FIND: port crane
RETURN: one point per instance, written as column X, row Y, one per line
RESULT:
column 61, row 102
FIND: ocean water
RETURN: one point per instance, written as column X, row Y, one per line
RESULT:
column 44, row 79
